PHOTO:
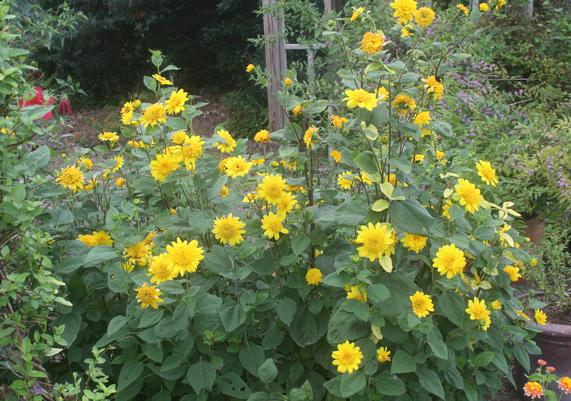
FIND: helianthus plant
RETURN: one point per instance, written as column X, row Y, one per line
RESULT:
column 343, row 258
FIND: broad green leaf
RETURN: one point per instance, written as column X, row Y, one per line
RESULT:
column 352, row 383
column 436, row 344
column 390, row 385
column 251, row 357
column 410, row 216
column 99, row 254
column 201, row 376
column 286, row 309
column 231, row 315
column 402, row 363
column 130, row 372
column 268, row 371
column 233, row 386
column 378, row 293
column 116, row 324
column 430, row 381
column 483, row 359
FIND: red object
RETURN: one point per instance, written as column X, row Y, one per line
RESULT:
column 551, row 369
column 64, row 107
column 39, row 100
column 541, row 362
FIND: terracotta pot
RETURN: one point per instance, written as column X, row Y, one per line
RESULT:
column 555, row 344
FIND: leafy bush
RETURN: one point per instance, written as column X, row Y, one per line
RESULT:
column 348, row 255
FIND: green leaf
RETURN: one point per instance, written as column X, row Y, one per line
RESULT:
column 402, row 363
column 99, row 254
column 391, row 385
column 116, row 324
column 130, row 372
column 300, row 243
column 201, row 376
column 251, row 357
column 72, row 323
column 307, row 328
column 233, row 386
column 380, row 205
column 436, row 344
column 231, row 315
column 268, row 371
column 39, row 158
column 453, row 308
column 150, row 318
column 430, row 381
column 286, row 309
column 345, row 325
column 352, row 383
column 483, row 359
column 410, row 216
column 378, row 293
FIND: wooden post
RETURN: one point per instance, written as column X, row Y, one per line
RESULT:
column 274, row 32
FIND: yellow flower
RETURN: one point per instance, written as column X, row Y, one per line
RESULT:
column 470, row 196
column 487, row 173
column 392, row 179
column 484, row 7
column 139, row 253
column 564, row 384
column 7, row 131
column 237, row 167
column 120, row 182
column 289, row 165
column 272, row 188
column 496, row 305
column 118, row 163
column 377, row 240
column 404, row 10
column 356, row 293
column 154, row 114
column 273, row 225
column 338, row 121
column 179, row 137
column 228, row 143
column 224, row 191
column 477, row 310
column 382, row 93
column 500, row 4
column 418, row 157
column 286, row 203
column 313, row 276
column 357, row 13
column 345, row 180
column 372, row 42
column 257, row 162
column 127, row 113
column 522, row 314
column 383, row 355
column 297, row 110
column 360, row 98
column 85, row 162
column 424, row 17
column 250, row 68
column 347, row 357
column 228, row 230
column 288, row 82
column 449, row 261
column 421, row 304
column 533, row 262
column 512, row 272
column 172, row 211
column 161, row 80
column 434, row 86
column 96, row 238
column 422, row 118
column 533, row 390
column 110, row 137
column 148, row 296
column 308, row 136
column 90, row 185
column 128, row 266
column 365, row 178
column 192, row 149
column 445, row 209
column 163, row 166
column 184, row 256
column 70, row 178
column 463, row 8
column 336, row 155
column 403, row 104
column 415, row 243
column 440, row 155
column 263, row 136
column 160, row 270
column 175, row 103
column 540, row 317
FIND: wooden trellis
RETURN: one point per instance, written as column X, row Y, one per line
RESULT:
column 276, row 58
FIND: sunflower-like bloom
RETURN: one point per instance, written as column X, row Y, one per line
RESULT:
column 338, row 121
column 263, row 136
column 484, row 7
column 424, row 17
column 463, row 8
column 163, row 166
column 434, row 86
column 162, row 80
column 540, row 317
column 470, row 196
column 179, row 137
column 139, row 253
column 273, row 225
column 372, row 42
column 415, row 243
column 286, row 203
column 422, row 118
column 229, row 230
column 345, row 180
column 153, row 115
column 70, row 178
column 160, row 269
column 184, row 256
column 357, row 293
column 96, row 238
column 237, row 167
column 272, row 188
column 512, row 272
column 347, row 357
column 308, row 136
column 449, row 261
column 477, row 310
column 403, row 104
column 404, row 10
column 383, row 355
column 313, row 276
column 148, row 296
column 487, row 173
column 421, row 304
column 86, row 162
column 357, row 12
column 360, row 98
column 228, row 143
column 377, row 240
column 336, row 155
column 175, row 103
column 250, row 68
column 107, row 136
